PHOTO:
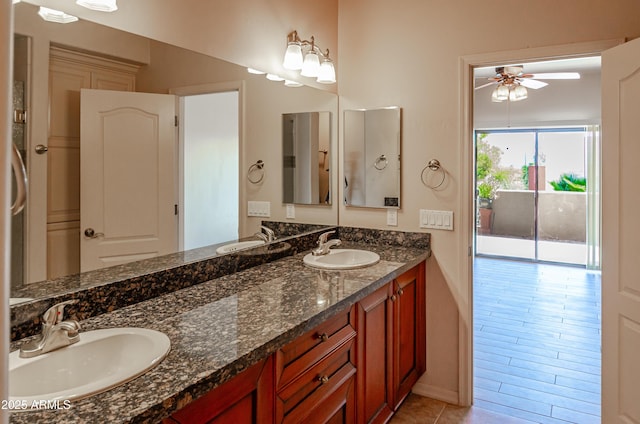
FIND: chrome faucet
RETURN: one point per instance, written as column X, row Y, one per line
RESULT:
column 324, row 244
column 56, row 332
column 266, row 234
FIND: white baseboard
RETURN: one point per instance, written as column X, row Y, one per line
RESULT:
column 438, row 393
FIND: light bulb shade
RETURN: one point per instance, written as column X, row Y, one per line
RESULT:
column 311, row 65
column 500, row 94
column 290, row 83
column 327, row 73
column 99, row 5
column 293, row 57
column 255, row 71
column 57, row 16
column 274, row 77
column 518, row 93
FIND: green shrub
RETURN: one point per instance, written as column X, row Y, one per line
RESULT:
column 569, row 182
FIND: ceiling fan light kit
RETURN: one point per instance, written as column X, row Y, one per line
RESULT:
column 512, row 82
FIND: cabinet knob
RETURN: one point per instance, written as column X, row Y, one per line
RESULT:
column 393, row 297
column 323, row 337
column 323, row 379
column 400, row 291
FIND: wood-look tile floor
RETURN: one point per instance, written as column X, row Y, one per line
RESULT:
column 537, row 342
column 536, row 349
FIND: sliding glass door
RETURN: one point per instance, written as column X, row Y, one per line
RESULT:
column 532, row 200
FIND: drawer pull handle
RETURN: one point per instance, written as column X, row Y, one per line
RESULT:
column 323, row 337
column 323, row 379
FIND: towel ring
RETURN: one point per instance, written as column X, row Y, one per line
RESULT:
column 433, row 166
column 256, row 168
column 381, row 163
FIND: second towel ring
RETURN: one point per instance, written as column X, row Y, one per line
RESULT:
column 381, row 163
column 256, row 168
column 432, row 167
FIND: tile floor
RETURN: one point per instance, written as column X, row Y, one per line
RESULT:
column 536, row 348
column 421, row 410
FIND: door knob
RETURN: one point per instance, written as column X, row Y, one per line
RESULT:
column 41, row 149
column 90, row 233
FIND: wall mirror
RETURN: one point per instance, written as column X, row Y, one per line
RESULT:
column 372, row 157
column 167, row 67
column 306, row 145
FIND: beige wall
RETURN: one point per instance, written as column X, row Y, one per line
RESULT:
column 407, row 53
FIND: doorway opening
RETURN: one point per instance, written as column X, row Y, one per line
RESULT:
column 536, row 300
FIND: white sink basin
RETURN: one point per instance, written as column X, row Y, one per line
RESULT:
column 233, row 247
column 342, row 259
column 101, row 360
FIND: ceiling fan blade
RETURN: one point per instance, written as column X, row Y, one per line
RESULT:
column 554, row 75
column 531, row 83
column 486, row 85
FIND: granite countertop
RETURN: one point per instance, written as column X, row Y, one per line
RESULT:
column 223, row 326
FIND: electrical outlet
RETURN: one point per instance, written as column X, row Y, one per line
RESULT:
column 392, row 217
column 291, row 211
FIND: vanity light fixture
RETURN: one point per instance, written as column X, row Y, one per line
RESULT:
column 255, row 71
column 99, row 5
column 309, row 59
column 57, row 16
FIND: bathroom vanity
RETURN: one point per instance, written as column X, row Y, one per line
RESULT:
column 280, row 341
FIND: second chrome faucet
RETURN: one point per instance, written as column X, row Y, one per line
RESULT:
column 324, row 244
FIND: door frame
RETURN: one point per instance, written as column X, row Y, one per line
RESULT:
column 192, row 90
column 466, row 65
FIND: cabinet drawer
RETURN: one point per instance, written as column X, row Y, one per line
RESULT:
column 320, row 376
column 301, row 354
column 333, row 401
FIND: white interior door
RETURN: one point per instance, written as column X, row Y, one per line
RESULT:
column 128, row 177
column 620, row 234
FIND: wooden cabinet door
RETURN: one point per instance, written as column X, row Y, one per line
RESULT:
column 246, row 399
column 409, row 333
column 374, row 351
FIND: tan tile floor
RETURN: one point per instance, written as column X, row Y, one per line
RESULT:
column 421, row 410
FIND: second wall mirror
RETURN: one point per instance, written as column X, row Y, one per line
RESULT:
column 306, row 142
column 372, row 157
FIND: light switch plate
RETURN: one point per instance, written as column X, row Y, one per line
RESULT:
column 439, row 220
column 262, row 209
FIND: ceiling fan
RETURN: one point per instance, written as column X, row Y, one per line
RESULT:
column 512, row 82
